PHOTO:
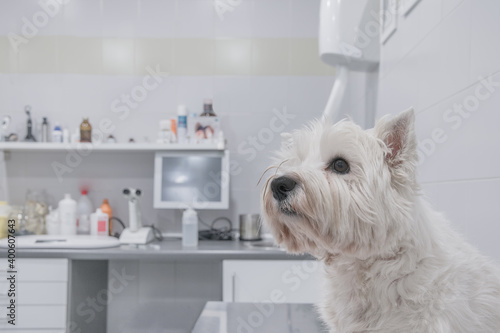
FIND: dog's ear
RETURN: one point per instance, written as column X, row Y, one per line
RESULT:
column 398, row 134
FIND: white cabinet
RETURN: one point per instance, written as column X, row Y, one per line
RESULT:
column 41, row 296
column 277, row 281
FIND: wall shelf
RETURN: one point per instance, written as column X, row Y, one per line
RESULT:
column 104, row 147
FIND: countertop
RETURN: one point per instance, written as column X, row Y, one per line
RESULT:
column 166, row 250
column 220, row 317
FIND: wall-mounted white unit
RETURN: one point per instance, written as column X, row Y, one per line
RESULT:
column 349, row 34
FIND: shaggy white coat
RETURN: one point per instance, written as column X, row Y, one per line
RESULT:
column 392, row 264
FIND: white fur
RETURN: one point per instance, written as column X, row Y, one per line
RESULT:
column 392, row 263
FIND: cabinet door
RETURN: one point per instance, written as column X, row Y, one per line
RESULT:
column 277, row 281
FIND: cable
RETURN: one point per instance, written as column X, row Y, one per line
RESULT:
column 217, row 233
column 117, row 234
column 223, row 219
column 156, row 232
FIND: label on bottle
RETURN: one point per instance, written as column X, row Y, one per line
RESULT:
column 182, row 122
column 85, row 136
column 102, row 226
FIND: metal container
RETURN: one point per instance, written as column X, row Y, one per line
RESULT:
column 250, row 227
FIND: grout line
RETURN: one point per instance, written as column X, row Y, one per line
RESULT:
column 427, row 108
column 461, row 181
column 387, row 72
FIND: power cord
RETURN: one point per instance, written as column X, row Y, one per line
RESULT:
column 114, row 218
column 156, row 232
column 219, row 233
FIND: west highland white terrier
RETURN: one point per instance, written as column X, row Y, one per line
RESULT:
column 350, row 198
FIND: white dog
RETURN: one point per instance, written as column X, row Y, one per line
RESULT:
column 350, row 198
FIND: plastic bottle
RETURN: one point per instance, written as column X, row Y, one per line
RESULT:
column 173, row 130
column 65, row 136
column 4, row 216
column 106, row 209
column 190, row 228
column 45, row 130
column 67, row 215
column 164, row 134
column 75, row 137
column 57, row 134
column 181, row 123
column 83, row 211
column 99, row 223
column 192, row 120
column 52, row 223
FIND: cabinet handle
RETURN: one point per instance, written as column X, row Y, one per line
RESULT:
column 234, row 287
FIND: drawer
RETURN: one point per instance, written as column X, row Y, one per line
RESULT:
column 36, row 293
column 36, row 317
column 37, row 269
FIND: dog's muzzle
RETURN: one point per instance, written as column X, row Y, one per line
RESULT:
column 281, row 187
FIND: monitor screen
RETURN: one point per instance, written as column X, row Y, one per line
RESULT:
column 191, row 179
column 197, row 179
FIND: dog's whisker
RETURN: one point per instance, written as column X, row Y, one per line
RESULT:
column 266, row 187
column 271, row 167
column 279, row 166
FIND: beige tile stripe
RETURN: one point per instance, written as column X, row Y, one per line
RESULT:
column 122, row 56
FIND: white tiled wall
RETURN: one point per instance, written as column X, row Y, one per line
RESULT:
column 435, row 62
column 275, row 66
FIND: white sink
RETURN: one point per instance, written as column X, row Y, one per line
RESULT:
column 62, row 242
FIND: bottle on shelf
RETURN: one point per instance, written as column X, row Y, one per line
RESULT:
column 190, row 228
column 65, row 136
column 106, row 209
column 75, row 137
column 52, row 223
column 173, row 130
column 85, row 131
column 45, row 130
column 207, row 125
column 208, row 110
column 67, row 215
column 99, row 223
column 84, row 209
column 181, row 124
column 57, row 134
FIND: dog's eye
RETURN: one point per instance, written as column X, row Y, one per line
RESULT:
column 339, row 165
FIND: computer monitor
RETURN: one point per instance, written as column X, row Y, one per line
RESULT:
column 197, row 179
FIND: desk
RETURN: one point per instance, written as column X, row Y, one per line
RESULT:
column 160, row 287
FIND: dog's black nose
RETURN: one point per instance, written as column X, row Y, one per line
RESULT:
column 281, row 187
